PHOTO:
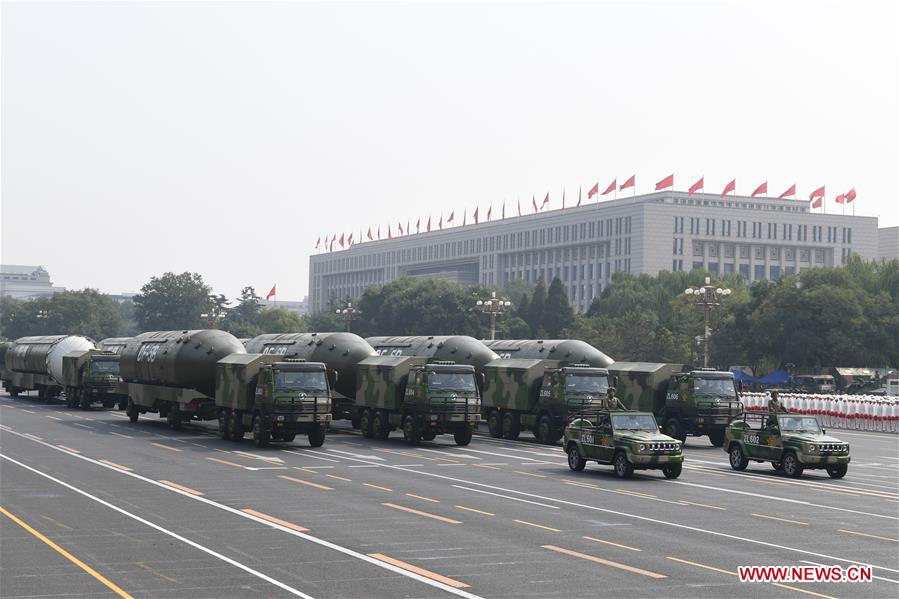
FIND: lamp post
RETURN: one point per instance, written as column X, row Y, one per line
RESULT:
column 349, row 314
column 493, row 307
column 706, row 297
column 42, row 316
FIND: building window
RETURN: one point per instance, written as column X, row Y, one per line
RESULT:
column 759, row 253
column 775, row 272
column 759, row 272
column 697, row 266
column 774, row 253
column 697, row 248
column 744, row 271
column 804, row 255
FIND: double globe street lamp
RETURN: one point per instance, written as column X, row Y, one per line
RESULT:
column 494, row 307
column 706, row 297
column 349, row 314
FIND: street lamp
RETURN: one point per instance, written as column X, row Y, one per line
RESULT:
column 349, row 314
column 706, row 297
column 42, row 316
column 493, row 307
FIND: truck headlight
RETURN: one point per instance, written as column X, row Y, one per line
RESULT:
column 322, row 401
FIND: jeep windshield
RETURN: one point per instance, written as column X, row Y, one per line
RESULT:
column 579, row 383
column 105, row 367
column 634, row 422
column 310, row 380
column 715, row 387
column 451, row 381
column 799, row 424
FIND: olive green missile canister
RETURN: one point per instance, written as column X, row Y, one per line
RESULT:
column 341, row 352
column 42, row 355
column 114, row 344
column 460, row 349
column 184, row 359
column 566, row 351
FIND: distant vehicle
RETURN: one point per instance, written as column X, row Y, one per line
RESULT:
column 851, row 381
column 892, row 384
column 814, row 383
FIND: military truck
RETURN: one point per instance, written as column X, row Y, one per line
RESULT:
column 208, row 375
column 92, row 376
column 627, row 440
column 539, row 395
column 686, row 402
column 423, row 398
column 35, row 363
column 792, row 443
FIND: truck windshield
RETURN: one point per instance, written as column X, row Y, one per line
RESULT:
column 105, row 367
column 634, row 422
column 306, row 381
column 579, row 383
column 720, row 387
column 799, row 424
column 451, row 381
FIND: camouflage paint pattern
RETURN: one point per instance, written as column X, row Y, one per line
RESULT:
column 598, row 440
column 643, row 385
column 761, row 442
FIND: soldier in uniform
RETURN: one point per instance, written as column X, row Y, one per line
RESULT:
column 611, row 402
column 774, row 403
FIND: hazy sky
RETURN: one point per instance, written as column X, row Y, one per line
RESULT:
column 225, row 138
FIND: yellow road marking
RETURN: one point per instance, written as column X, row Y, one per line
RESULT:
column 577, row 484
column 636, row 493
column 181, row 487
column 68, row 449
column 377, row 487
column 711, row 507
column 306, row 482
column 307, row 470
column 612, row 544
column 54, row 418
column 604, row 562
column 235, row 464
column 423, row 498
column 165, row 446
column 529, row 474
column 419, row 513
column 714, row 569
column 349, row 480
column 526, row 523
column 483, row 466
column 471, row 509
column 863, row 534
column 274, row 520
column 120, row 435
column 420, row 571
column 781, row 519
column 119, row 466
column 786, row 586
column 110, row 585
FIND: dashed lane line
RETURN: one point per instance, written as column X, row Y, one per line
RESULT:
column 509, row 497
column 605, row 562
column 170, row 448
column 471, row 509
column 300, row 481
column 410, row 510
column 420, row 571
column 63, row 447
column 119, row 466
column 863, row 534
column 628, row 547
column 226, row 462
column 526, row 523
column 787, row 520
column 423, row 498
column 377, row 487
column 274, row 520
column 729, row 572
column 169, row 483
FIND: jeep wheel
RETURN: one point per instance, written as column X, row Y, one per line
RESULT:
column 131, row 411
column 511, row 429
column 738, row 460
column 623, row 467
column 674, row 430
column 379, row 426
column 365, row 424
column 575, row 461
column 544, row 430
column 261, row 434
column 838, row 471
column 495, row 424
column 462, row 436
column 672, row 470
column 316, row 437
column 225, row 424
column 791, row 466
column 410, row 431
column 716, row 436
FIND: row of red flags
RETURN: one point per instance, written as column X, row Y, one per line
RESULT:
column 816, row 199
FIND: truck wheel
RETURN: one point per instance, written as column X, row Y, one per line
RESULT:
column 288, row 437
column 428, row 435
column 131, row 411
column 838, row 471
column 716, row 436
column 674, row 429
column 13, row 392
column 544, row 430
column 261, row 434
column 672, row 470
column 122, row 404
column 316, row 437
column 355, row 422
column 495, row 424
column 575, row 461
column 791, row 465
column 462, row 436
column 173, row 418
column 511, row 429
column 410, row 431
column 225, row 424
column 380, row 429
column 738, row 459
column 84, row 401
column 623, row 466
column 235, row 421
column 365, row 422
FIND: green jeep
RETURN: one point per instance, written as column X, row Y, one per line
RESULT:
column 627, row 440
column 791, row 442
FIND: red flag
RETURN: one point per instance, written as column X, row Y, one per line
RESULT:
column 379, row 232
column 400, row 227
column 593, row 191
column 476, row 215
column 534, row 203
column 818, row 193
column 790, row 192
column 389, row 234
column 341, row 240
column 763, row 188
column 418, row 225
column 816, row 203
column 696, row 186
column 629, row 183
column 429, row 225
column 729, row 187
column 452, row 216
column 545, row 201
column 665, row 183
column 580, row 191
column 271, row 293
column 318, row 242
column 489, row 211
column 613, row 185
column 370, row 238
column 331, row 245
column 841, row 199
column 350, row 239
column 440, row 222
column 850, row 195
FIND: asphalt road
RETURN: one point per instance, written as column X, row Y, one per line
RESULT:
column 94, row 506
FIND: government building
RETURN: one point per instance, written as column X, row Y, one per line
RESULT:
column 759, row 238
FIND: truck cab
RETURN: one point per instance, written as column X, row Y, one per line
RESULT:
column 292, row 396
column 93, row 376
column 566, row 391
column 700, row 402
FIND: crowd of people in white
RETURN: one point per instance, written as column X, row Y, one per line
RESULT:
column 854, row 412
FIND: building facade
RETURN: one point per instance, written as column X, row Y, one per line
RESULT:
column 759, row 238
column 888, row 243
column 26, row 282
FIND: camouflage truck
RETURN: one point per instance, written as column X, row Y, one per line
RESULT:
column 539, row 395
column 686, row 402
column 92, row 376
column 423, row 398
column 627, row 440
column 792, row 443
column 274, row 397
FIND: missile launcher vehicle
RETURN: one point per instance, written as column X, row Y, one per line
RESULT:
column 35, row 363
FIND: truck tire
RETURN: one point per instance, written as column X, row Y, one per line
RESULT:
column 575, row 461
column 511, row 427
column 288, row 437
column 236, row 423
column 428, row 435
column 355, row 422
column 673, row 428
column 544, row 430
column 716, row 436
column 672, row 470
column 791, row 465
column 13, row 392
column 380, row 428
column 737, row 458
column 123, row 403
column 131, row 411
column 173, row 417
column 84, row 401
column 71, row 399
column 623, row 466
column 108, row 403
column 316, row 437
column 261, row 434
column 225, row 424
column 495, row 424
column 837, row 471
column 462, row 436
column 410, row 431
column 365, row 424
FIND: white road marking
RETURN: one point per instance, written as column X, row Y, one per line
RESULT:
column 493, row 453
column 552, row 507
column 309, row 454
column 356, row 455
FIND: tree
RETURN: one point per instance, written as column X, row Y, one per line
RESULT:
column 279, row 320
column 174, row 302
column 242, row 320
column 86, row 312
column 558, row 314
column 536, row 310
